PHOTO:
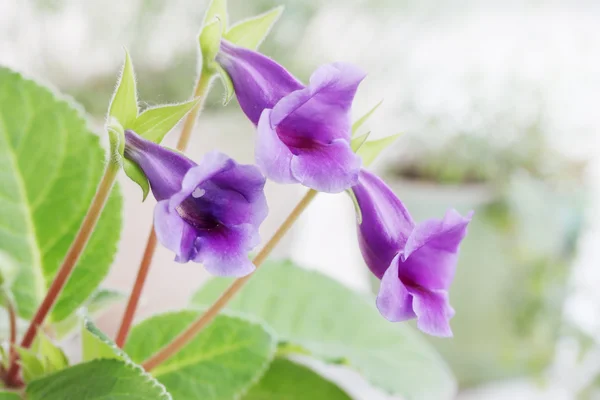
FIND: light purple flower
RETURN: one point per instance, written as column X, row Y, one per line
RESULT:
column 303, row 131
column 415, row 262
column 208, row 212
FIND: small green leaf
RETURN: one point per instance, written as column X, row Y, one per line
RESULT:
column 216, row 9
column 227, row 84
column 335, row 324
column 98, row 380
column 358, row 141
column 31, row 365
column 251, row 32
column 135, row 173
column 364, row 118
column 370, row 150
column 52, row 357
column 9, row 396
column 225, row 359
column 95, row 344
column 210, row 42
column 123, row 106
column 290, row 381
column 154, row 123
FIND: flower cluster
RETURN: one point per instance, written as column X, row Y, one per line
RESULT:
column 210, row 212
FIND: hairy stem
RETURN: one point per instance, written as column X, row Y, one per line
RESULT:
column 68, row 264
column 196, row 327
column 201, row 90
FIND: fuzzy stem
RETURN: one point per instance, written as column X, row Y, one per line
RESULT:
column 196, row 327
column 12, row 319
column 69, row 263
column 201, row 90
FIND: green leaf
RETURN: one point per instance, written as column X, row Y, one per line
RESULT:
column 50, row 165
column 31, row 365
column 8, row 269
column 95, row 344
column 290, row 381
column 93, row 307
column 98, row 380
column 9, row 396
column 364, row 118
column 210, row 41
column 251, row 32
column 123, row 106
column 154, row 123
column 357, row 142
column 224, row 359
column 52, row 357
column 216, row 9
column 371, row 150
column 334, row 323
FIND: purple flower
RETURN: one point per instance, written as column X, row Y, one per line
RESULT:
column 303, row 131
column 208, row 212
column 415, row 262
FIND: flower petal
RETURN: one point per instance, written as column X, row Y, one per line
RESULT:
column 385, row 223
column 272, row 155
column 224, row 251
column 174, row 233
column 394, row 301
column 258, row 81
column 433, row 311
column 330, row 168
column 431, row 251
column 321, row 111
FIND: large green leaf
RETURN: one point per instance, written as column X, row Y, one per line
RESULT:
column 50, row 165
column 9, row 396
column 290, row 381
column 221, row 363
column 312, row 312
column 98, row 380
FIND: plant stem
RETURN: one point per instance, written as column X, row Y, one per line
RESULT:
column 77, row 247
column 196, row 327
column 12, row 319
column 201, row 90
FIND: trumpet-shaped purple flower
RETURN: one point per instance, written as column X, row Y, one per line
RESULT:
column 303, row 131
column 208, row 212
column 415, row 262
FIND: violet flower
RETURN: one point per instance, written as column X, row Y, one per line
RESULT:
column 208, row 212
column 415, row 262
column 303, row 131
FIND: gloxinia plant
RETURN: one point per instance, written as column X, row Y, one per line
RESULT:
column 415, row 262
column 60, row 223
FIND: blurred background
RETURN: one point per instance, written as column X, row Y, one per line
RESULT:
column 498, row 105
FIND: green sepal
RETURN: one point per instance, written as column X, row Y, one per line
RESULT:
column 227, row 85
column 31, row 365
column 216, row 9
column 135, row 173
column 357, row 142
column 154, row 123
column 51, row 356
column 210, row 42
column 123, row 105
column 251, row 32
column 356, row 206
column 116, row 139
column 364, row 118
column 371, row 150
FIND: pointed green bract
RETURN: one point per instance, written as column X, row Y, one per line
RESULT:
column 50, row 166
column 216, row 9
column 225, row 358
column 31, row 365
column 210, row 42
column 251, row 32
column 371, row 150
column 123, row 106
column 334, row 324
column 227, row 83
column 52, row 356
column 364, row 118
column 154, row 123
column 357, row 142
column 98, row 380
